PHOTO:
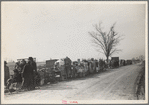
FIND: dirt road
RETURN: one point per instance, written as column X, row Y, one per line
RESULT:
column 113, row 84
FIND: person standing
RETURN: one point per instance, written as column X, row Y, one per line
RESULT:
column 26, row 75
column 23, row 74
column 32, row 63
column 6, row 73
column 33, row 72
column 67, row 61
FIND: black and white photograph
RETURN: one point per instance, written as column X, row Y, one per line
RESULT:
column 74, row 52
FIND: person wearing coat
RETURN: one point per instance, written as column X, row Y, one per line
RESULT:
column 17, row 76
column 27, row 74
column 32, row 64
column 6, row 73
column 67, row 66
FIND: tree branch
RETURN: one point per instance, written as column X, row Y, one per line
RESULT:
column 106, row 42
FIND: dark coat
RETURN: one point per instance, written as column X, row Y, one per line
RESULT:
column 33, row 65
column 27, row 74
column 6, row 74
column 27, row 71
column 17, row 76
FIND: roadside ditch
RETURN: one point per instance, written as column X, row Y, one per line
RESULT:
column 140, row 84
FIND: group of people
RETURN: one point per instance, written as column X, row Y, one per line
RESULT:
column 24, row 74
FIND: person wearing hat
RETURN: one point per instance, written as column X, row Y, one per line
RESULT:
column 32, row 63
column 26, row 75
column 67, row 66
column 6, row 73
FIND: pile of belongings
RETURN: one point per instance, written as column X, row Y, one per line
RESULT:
column 41, row 72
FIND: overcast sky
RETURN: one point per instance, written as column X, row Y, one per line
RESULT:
column 58, row 29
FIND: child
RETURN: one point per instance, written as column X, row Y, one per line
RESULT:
column 17, row 79
column 9, row 86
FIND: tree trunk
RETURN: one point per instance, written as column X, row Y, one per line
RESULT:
column 107, row 59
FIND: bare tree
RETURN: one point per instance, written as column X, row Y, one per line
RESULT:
column 106, row 42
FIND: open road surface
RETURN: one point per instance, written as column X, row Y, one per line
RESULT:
column 112, row 84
